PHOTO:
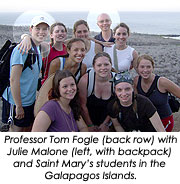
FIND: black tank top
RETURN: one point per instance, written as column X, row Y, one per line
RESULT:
column 159, row 100
column 97, row 107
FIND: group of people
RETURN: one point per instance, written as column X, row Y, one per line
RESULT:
column 88, row 82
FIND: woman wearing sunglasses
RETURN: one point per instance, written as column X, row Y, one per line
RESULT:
column 131, row 112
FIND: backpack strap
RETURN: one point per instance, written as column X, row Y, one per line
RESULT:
column 62, row 63
column 91, row 83
column 112, row 86
column 115, row 58
column 78, row 70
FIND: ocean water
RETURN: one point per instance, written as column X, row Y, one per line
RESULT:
column 163, row 23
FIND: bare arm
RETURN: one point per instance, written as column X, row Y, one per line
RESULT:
column 15, row 89
column 135, row 81
column 166, row 85
column 82, row 125
column 54, row 65
column 105, row 44
column 117, row 125
column 82, row 85
column 25, row 44
column 157, row 123
column 134, row 62
column 103, row 127
column 41, row 122
column 98, row 48
column 83, row 69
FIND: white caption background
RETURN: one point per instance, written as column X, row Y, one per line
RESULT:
column 89, row 158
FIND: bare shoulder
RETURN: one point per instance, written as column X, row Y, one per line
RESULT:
column 83, row 80
column 55, row 62
column 98, row 48
column 84, row 68
column 163, row 81
column 135, row 54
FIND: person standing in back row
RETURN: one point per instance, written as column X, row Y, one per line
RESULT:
column 21, row 94
column 104, row 22
column 122, row 55
column 81, row 30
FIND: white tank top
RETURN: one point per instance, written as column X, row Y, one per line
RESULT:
column 125, row 57
column 88, row 59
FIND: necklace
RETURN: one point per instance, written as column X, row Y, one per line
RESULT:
column 64, row 115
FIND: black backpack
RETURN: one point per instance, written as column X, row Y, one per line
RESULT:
column 5, row 55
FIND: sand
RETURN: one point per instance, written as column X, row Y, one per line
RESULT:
column 165, row 52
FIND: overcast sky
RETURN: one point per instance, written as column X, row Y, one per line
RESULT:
column 83, row 5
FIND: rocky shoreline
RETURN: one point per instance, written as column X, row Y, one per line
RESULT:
column 165, row 52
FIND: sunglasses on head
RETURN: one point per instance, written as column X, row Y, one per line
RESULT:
column 123, row 76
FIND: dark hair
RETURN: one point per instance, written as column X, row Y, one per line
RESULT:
column 80, row 22
column 73, row 40
column 101, row 54
column 52, row 29
column 121, row 25
column 74, row 104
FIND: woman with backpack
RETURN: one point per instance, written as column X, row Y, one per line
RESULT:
column 20, row 97
column 156, row 88
column 49, row 51
column 95, row 92
column 130, row 112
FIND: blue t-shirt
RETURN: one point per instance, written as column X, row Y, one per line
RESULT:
column 28, row 79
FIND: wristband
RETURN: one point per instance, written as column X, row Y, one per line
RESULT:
column 108, row 124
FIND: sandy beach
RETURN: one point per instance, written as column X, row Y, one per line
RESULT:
column 165, row 52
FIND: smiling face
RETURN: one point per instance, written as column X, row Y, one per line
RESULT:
column 58, row 34
column 121, row 35
column 81, row 31
column 67, row 88
column 102, row 66
column 39, row 33
column 124, row 93
column 104, row 22
column 145, row 68
column 77, row 51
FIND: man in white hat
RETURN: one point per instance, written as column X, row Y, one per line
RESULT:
column 21, row 94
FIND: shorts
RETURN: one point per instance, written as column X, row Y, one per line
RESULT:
column 168, row 123
column 28, row 115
